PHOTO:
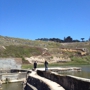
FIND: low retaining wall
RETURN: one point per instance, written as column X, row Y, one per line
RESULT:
column 68, row 82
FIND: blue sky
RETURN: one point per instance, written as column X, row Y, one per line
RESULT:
column 32, row 19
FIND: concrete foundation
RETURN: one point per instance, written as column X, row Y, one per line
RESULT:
column 13, row 75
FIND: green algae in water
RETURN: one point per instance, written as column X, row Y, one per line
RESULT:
column 12, row 86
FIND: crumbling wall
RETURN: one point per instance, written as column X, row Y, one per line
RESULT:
column 10, row 63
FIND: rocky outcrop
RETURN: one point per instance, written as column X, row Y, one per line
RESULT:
column 41, row 59
column 81, row 51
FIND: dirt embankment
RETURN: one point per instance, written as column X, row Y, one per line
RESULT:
column 50, row 59
column 55, row 58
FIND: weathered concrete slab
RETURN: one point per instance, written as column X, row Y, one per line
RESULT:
column 56, row 69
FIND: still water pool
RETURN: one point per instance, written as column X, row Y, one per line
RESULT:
column 85, row 72
column 12, row 86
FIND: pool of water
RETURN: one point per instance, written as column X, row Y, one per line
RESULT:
column 12, row 86
column 85, row 72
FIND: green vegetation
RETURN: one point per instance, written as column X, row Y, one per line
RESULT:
column 81, row 60
column 27, row 66
column 20, row 51
column 21, row 48
column 30, row 66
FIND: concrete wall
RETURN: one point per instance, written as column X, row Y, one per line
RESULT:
column 10, row 63
column 13, row 75
column 36, row 83
column 68, row 82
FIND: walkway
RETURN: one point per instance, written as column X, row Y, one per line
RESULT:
column 53, row 85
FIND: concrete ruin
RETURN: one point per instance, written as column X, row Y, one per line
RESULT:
column 10, row 70
column 61, row 82
column 10, row 63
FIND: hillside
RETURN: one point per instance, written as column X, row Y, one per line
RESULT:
column 29, row 51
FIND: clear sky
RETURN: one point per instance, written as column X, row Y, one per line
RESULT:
column 32, row 19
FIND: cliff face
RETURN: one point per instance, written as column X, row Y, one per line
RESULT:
column 44, row 50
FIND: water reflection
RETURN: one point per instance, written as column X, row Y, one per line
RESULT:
column 12, row 86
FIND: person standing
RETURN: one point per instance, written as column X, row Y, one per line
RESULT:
column 46, row 65
column 35, row 65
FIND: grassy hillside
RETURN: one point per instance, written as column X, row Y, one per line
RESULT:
column 16, row 47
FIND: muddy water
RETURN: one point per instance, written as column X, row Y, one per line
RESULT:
column 12, row 86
